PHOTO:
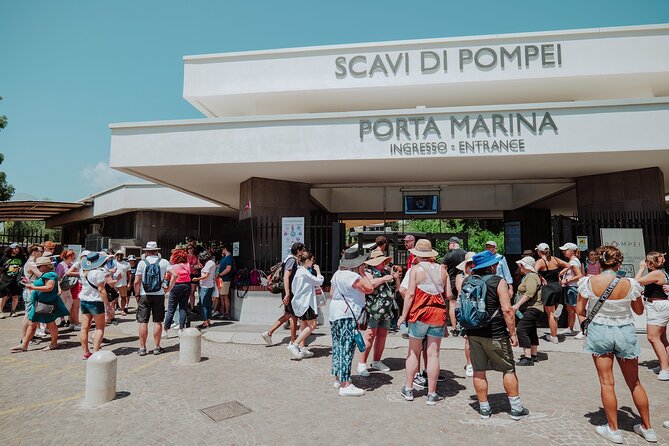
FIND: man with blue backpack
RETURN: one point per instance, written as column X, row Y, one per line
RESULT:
column 489, row 320
column 149, row 286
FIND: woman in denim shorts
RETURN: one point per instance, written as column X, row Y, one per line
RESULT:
column 425, row 309
column 611, row 332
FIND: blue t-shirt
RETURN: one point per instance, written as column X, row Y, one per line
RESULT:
column 227, row 261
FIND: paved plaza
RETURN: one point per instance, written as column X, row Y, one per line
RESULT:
column 293, row 402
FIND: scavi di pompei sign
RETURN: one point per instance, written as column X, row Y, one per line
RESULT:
column 445, row 61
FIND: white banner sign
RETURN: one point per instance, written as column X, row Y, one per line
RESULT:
column 630, row 243
column 292, row 231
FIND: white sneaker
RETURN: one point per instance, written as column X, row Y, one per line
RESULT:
column 552, row 339
column 606, row 432
column 351, row 390
column 76, row 327
column 380, row 366
column 362, row 370
column 558, row 312
column 40, row 333
column 666, row 424
column 180, row 333
column 306, row 353
column 566, row 332
column 3, row 315
column 580, row 335
column 663, row 375
column 294, row 350
column 336, row 384
column 469, row 370
column 267, row 338
column 648, row 434
column 165, row 334
column 174, row 325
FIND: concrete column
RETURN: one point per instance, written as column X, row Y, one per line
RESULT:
column 100, row 378
column 190, row 346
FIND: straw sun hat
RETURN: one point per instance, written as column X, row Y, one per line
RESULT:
column 423, row 248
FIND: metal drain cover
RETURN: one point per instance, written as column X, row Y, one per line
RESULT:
column 224, row 411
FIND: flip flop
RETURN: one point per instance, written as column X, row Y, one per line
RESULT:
column 86, row 356
column 51, row 347
column 17, row 349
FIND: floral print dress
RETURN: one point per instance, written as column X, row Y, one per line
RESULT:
column 379, row 304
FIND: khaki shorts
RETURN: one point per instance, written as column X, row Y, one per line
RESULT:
column 491, row 354
column 225, row 288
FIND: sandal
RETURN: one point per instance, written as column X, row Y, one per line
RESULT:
column 202, row 327
column 18, row 349
column 86, row 356
column 51, row 347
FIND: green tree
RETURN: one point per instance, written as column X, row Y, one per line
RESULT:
column 6, row 190
column 477, row 235
column 33, row 227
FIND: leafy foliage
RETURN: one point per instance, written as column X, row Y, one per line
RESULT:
column 477, row 234
column 6, row 190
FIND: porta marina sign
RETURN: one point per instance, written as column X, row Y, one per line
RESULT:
column 463, row 135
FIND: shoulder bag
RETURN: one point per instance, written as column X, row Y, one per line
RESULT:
column 42, row 308
column 605, row 295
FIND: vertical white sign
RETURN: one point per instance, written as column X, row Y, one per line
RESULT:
column 630, row 242
column 235, row 249
column 292, row 231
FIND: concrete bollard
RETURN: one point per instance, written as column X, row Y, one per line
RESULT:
column 190, row 346
column 100, row 378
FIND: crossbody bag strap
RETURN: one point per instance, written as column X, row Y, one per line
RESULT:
column 346, row 302
column 427, row 273
column 602, row 299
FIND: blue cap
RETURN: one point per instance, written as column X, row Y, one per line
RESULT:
column 485, row 258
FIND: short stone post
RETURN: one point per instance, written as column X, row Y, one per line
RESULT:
column 100, row 378
column 190, row 346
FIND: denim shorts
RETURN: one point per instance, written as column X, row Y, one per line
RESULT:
column 571, row 296
column 92, row 308
column 606, row 339
column 419, row 330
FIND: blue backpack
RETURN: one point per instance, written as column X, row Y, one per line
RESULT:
column 472, row 312
column 151, row 279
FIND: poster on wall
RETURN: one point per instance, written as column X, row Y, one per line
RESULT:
column 292, row 231
column 512, row 240
column 630, row 243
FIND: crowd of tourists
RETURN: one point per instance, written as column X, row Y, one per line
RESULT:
column 87, row 291
column 475, row 293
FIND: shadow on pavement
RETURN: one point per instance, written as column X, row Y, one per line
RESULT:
column 107, row 341
column 499, row 403
column 626, row 418
column 121, row 395
column 373, row 381
column 394, row 363
column 449, row 387
column 320, row 352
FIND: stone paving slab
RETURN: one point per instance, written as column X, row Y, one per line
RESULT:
column 292, row 402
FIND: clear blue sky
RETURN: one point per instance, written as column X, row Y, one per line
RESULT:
column 69, row 68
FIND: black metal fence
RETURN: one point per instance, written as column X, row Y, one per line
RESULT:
column 23, row 237
column 655, row 226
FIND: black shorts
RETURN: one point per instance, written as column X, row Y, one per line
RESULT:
column 192, row 277
column 288, row 308
column 151, row 305
column 551, row 294
column 309, row 315
column 10, row 289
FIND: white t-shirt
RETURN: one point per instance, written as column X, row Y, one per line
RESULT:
column 96, row 277
column 121, row 274
column 569, row 275
column 165, row 267
column 27, row 272
column 209, row 267
column 342, row 287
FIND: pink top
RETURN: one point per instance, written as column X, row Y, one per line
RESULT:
column 183, row 272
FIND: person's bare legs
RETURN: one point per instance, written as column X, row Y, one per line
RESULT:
column 630, row 370
column 293, row 328
column 379, row 343
column 15, row 302
column 604, row 365
column 468, row 353
column 306, row 328
column 143, row 334
column 30, row 332
column 279, row 322
column 74, row 312
column 158, row 331
column 571, row 316
column 85, row 328
column 412, row 362
column 225, row 304
column 369, row 335
column 3, row 302
column 99, row 332
column 53, row 331
column 191, row 298
column 433, row 366
column 654, row 333
column 510, row 381
column 481, row 386
column 552, row 323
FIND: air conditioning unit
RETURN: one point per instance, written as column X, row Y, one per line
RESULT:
column 132, row 250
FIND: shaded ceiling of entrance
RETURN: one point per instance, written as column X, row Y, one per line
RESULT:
column 34, row 210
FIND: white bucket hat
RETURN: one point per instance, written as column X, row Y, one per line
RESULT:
column 528, row 263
